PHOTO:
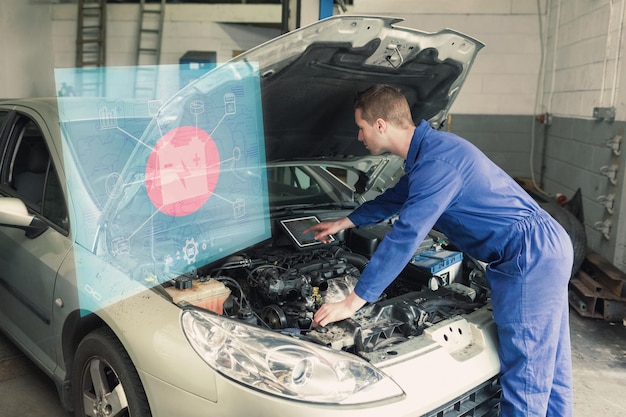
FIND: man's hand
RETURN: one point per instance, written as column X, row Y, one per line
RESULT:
column 324, row 229
column 332, row 312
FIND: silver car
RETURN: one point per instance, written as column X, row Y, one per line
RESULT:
column 153, row 261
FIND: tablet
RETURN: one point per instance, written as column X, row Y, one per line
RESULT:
column 295, row 227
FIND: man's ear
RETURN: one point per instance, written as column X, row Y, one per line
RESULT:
column 380, row 125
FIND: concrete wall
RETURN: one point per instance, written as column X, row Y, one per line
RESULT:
column 584, row 70
column 575, row 157
column 187, row 27
column 25, row 49
column 503, row 138
column 38, row 36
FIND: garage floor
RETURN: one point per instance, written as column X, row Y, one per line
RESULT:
column 599, row 358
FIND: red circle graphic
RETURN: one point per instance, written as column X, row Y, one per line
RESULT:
column 182, row 171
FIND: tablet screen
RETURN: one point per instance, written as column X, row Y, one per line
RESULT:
column 295, row 227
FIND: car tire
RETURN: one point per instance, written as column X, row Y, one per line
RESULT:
column 101, row 361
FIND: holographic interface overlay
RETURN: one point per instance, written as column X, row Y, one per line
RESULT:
column 162, row 185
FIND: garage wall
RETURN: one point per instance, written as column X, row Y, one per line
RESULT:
column 187, row 27
column 25, row 49
column 584, row 71
column 504, row 138
column 37, row 36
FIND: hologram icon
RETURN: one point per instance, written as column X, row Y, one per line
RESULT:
column 108, row 117
column 230, row 106
column 154, row 106
column 182, row 171
column 196, row 107
column 190, row 251
column 180, row 166
column 239, row 208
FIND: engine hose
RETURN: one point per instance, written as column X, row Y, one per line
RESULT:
column 357, row 260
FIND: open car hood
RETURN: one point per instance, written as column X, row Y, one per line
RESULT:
column 309, row 78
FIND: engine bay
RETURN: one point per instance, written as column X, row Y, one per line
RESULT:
column 280, row 285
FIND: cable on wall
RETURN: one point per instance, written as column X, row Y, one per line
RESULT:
column 554, row 54
column 607, row 53
column 607, row 50
column 539, row 94
column 618, row 57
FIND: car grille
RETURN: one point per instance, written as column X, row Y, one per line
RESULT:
column 483, row 401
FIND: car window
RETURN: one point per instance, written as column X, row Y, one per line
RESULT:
column 33, row 176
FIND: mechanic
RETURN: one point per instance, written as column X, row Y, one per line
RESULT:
column 451, row 185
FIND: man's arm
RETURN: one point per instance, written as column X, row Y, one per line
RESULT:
column 383, row 206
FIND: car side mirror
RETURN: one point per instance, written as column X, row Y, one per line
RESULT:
column 13, row 213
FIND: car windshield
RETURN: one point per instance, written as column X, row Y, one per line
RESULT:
column 100, row 152
column 310, row 183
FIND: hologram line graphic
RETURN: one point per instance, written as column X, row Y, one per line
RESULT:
column 148, row 200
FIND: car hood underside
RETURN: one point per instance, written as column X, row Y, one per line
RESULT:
column 308, row 92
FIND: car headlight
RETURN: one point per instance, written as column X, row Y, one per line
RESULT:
column 282, row 365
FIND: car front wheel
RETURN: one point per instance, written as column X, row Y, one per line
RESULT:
column 104, row 380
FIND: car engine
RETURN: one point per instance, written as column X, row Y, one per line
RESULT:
column 280, row 288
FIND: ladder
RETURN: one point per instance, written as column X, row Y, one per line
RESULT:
column 150, row 32
column 90, row 45
column 149, row 36
column 91, row 33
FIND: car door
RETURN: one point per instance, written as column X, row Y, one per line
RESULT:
column 28, row 266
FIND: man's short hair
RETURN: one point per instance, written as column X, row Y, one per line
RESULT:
column 385, row 102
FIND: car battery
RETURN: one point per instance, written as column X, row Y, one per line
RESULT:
column 209, row 294
column 444, row 264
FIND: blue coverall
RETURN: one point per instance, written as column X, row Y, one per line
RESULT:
column 449, row 183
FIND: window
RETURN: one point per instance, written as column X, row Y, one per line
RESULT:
column 32, row 174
